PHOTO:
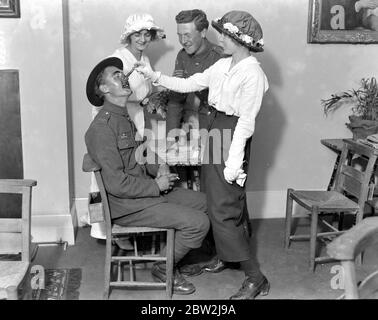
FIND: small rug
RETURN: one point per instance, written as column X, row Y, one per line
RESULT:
column 60, row 284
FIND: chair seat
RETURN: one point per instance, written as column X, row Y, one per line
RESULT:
column 12, row 273
column 117, row 229
column 325, row 200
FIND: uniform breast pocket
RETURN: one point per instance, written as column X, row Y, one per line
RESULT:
column 126, row 145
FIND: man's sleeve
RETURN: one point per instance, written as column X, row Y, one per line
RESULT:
column 176, row 102
column 102, row 147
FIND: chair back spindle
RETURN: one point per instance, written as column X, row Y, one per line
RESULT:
column 355, row 173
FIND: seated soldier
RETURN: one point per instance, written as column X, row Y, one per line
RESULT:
column 139, row 194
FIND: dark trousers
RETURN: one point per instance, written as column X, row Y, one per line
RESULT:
column 184, row 211
column 227, row 207
column 227, row 204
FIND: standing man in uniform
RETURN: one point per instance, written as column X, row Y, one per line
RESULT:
column 197, row 54
column 139, row 194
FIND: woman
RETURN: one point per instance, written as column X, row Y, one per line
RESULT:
column 236, row 88
column 139, row 31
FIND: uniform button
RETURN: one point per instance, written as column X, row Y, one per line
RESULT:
column 208, row 112
column 106, row 112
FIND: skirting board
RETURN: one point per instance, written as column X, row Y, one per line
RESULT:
column 52, row 228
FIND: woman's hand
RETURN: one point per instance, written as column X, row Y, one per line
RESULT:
column 146, row 71
column 231, row 175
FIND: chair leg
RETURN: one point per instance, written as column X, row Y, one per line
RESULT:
column 153, row 244
column 119, row 271
column 289, row 209
column 108, row 257
column 350, row 282
column 12, row 293
column 357, row 219
column 132, row 271
column 341, row 221
column 170, row 262
column 313, row 237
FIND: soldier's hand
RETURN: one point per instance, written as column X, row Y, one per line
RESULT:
column 163, row 170
column 166, row 182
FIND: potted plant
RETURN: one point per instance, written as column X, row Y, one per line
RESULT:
column 364, row 118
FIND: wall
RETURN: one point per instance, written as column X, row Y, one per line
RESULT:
column 33, row 44
column 286, row 149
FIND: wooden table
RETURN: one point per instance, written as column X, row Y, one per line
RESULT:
column 334, row 144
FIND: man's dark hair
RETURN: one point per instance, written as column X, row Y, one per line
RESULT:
column 197, row 16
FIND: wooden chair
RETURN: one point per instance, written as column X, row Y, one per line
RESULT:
column 114, row 231
column 352, row 188
column 346, row 248
column 15, row 238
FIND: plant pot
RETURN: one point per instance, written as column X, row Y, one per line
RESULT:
column 361, row 128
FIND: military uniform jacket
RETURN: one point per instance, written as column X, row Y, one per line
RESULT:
column 111, row 143
column 186, row 65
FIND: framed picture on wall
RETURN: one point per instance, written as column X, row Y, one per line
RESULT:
column 343, row 21
column 9, row 8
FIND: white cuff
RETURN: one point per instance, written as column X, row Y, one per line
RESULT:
column 155, row 78
column 357, row 6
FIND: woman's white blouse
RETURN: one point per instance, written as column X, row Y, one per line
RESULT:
column 237, row 92
column 140, row 86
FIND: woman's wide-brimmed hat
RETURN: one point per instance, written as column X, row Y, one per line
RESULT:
column 138, row 22
column 242, row 27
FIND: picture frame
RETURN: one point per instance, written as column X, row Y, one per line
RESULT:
column 10, row 9
column 338, row 21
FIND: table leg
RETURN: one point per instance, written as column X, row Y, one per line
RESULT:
column 332, row 180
